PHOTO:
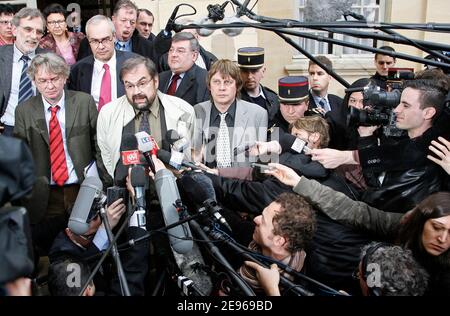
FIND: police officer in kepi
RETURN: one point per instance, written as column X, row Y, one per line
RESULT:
column 251, row 63
column 293, row 97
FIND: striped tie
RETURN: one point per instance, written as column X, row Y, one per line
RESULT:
column 57, row 154
column 25, row 88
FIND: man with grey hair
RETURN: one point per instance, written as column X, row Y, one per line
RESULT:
column 15, row 86
column 98, row 74
column 126, row 37
column 185, row 79
column 59, row 126
column 143, row 108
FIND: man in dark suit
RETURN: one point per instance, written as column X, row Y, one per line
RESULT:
column 251, row 63
column 98, row 74
column 184, row 79
column 144, row 24
column 60, row 128
column 15, row 86
column 329, row 105
column 205, row 58
column 126, row 37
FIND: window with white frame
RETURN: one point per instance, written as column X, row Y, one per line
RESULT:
column 372, row 10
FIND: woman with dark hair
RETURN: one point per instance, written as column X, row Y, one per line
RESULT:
column 59, row 40
column 425, row 229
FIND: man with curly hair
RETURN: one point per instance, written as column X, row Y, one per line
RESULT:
column 283, row 231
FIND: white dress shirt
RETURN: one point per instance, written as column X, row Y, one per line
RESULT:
column 97, row 76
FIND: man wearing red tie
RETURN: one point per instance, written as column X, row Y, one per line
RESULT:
column 60, row 128
column 98, row 74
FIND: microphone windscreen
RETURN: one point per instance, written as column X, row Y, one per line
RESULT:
column 144, row 141
column 193, row 189
column 172, row 136
column 83, row 203
column 164, row 156
column 129, row 142
column 137, row 177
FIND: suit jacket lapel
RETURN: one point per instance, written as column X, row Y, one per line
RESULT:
column 240, row 123
column 86, row 75
column 71, row 112
column 7, row 61
column 38, row 112
column 119, row 61
column 187, row 83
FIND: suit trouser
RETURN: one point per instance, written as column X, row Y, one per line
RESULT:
column 61, row 199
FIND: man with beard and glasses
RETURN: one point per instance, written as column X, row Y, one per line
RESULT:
column 142, row 108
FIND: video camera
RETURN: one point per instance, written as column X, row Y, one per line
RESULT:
column 381, row 103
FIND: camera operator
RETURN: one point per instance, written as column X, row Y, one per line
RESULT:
column 93, row 241
column 399, row 175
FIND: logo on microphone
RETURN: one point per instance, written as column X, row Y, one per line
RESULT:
column 130, row 157
column 146, row 140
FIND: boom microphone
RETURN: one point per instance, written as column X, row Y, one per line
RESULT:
column 179, row 236
column 200, row 188
column 89, row 190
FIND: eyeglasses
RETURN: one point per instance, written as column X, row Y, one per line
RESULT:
column 96, row 43
column 53, row 23
column 140, row 85
column 53, row 81
column 179, row 51
column 124, row 21
column 29, row 30
column 3, row 22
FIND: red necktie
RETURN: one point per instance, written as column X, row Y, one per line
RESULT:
column 57, row 155
column 173, row 85
column 105, row 88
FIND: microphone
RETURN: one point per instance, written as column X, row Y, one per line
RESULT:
column 200, row 188
column 129, row 156
column 170, row 23
column 90, row 189
column 188, row 287
column 180, row 237
column 138, row 181
column 147, row 146
column 128, row 151
column 166, row 157
column 178, row 143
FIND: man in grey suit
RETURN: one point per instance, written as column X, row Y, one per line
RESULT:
column 15, row 86
column 226, row 124
column 59, row 126
column 98, row 74
column 185, row 79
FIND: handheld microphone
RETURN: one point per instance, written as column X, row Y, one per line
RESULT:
column 89, row 190
column 147, row 146
column 179, row 236
column 166, row 157
column 128, row 151
column 200, row 188
column 138, row 181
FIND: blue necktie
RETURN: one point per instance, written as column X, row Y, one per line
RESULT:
column 25, row 88
column 324, row 105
